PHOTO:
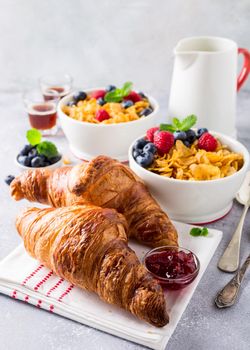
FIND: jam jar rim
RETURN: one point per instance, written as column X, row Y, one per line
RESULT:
column 169, row 279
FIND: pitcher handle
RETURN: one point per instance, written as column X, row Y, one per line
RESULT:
column 245, row 69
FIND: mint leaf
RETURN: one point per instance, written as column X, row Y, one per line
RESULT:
column 118, row 94
column 33, row 136
column 113, row 96
column 47, row 148
column 188, row 122
column 204, row 231
column 167, row 127
column 176, row 123
column 197, row 231
column 127, row 87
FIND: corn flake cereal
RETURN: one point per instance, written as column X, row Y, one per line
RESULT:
column 85, row 111
column 192, row 163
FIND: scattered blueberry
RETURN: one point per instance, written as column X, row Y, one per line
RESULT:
column 145, row 112
column 24, row 160
column 9, row 179
column 142, row 95
column 191, row 135
column 145, row 159
column 71, row 103
column 79, row 96
column 101, row 101
column 201, row 131
column 139, row 144
column 136, row 153
column 128, row 103
column 150, row 147
column 180, row 135
column 25, row 150
column 55, row 159
column 110, row 88
column 37, row 162
column 187, row 143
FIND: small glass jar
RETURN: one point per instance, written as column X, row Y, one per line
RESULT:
column 174, row 259
column 42, row 114
column 62, row 84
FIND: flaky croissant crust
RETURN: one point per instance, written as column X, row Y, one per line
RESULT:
column 106, row 183
column 87, row 245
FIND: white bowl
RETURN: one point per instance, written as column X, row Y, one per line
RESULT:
column 195, row 201
column 88, row 140
column 51, row 167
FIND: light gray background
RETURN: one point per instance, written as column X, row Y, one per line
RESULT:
column 101, row 42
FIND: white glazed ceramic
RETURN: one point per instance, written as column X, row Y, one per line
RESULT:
column 51, row 167
column 88, row 140
column 195, row 201
column 204, row 82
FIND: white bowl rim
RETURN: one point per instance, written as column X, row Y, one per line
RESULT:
column 79, row 122
column 227, row 178
column 42, row 167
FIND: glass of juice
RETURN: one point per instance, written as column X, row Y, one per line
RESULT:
column 62, row 84
column 42, row 113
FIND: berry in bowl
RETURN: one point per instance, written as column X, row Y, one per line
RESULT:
column 173, row 267
column 106, row 120
column 38, row 153
column 194, row 174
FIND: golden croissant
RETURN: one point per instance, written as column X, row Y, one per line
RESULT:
column 106, row 183
column 87, row 245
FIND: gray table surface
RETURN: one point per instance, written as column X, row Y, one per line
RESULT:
column 202, row 326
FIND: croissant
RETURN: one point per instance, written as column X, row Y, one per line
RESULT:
column 87, row 245
column 106, row 183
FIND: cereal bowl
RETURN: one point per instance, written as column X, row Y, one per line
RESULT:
column 195, row 201
column 88, row 140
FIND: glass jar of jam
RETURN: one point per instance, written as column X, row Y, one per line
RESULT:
column 173, row 267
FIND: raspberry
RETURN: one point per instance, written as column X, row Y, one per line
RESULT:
column 98, row 94
column 133, row 96
column 150, row 133
column 101, row 115
column 207, row 142
column 164, row 141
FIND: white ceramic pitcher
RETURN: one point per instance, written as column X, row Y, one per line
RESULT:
column 204, row 81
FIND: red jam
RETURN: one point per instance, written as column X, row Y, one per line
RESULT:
column 173, row 267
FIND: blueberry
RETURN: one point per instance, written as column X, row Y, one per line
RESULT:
column 25, row 150
column 128, row 103
column 180, row 135
column 37, row 162
column 24, row 160
column 142, row 95
column 139, row 144
column 9, row 179
column 55, row 159
column 145, row 159
column 46, row 163
column 101, row 101
column 191, row 135
column 79, row 96
column 150, row 147
column 110, row 88
column 33, row 152
column 187, row 143
column 71, row 103
column 136, row 152
column 201, row 131
column 145, row 112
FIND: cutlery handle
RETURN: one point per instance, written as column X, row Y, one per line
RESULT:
column 229, row 261
column 227, row 296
